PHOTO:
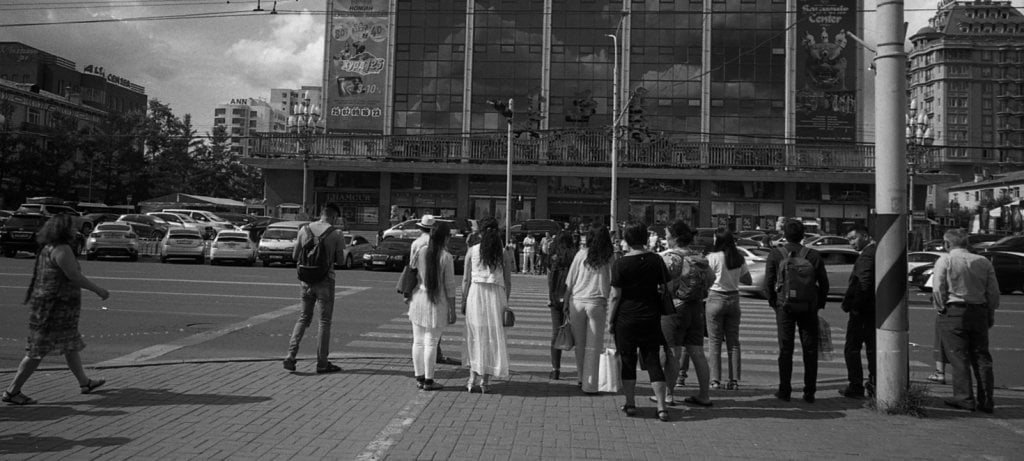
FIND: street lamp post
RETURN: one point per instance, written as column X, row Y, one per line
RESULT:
column 508, row 177
column 612, row 225
column 919, row 138
column 304, row 121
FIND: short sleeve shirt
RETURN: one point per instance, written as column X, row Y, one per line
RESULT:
column 638, row 276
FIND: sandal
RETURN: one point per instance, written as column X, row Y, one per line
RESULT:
column 17, row 398
column 716, row 384
column 733, row 385
column 693, row 401
column 663, row 415
column 938, row 377
column 630, row 410
column 92, row 385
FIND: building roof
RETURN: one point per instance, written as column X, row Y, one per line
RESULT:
column 178, row 197
column 986, row 18
column 1013, row 178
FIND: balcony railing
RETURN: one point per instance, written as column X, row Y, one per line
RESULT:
column 569, row 148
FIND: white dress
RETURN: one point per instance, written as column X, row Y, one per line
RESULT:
column 486, row 352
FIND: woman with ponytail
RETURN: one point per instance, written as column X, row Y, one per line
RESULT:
column 432, row 305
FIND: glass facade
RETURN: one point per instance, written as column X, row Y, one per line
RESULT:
column 430, row 50
column 582, row 58
column 748, row 71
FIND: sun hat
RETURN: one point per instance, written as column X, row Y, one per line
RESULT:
column 426, row 222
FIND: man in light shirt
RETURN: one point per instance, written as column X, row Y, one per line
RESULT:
column 966, row 296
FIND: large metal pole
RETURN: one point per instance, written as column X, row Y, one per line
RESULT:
column 612, row 224
column 891, row 205
column 305, row 173
column 508, row 178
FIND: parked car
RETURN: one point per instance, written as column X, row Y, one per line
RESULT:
column 826, row 241
column 4, row 214
column 537, row 227
column 780, row 239
column 355, row 247
column 205, row 217
column 703, row 238
column 18, row 233
column 978, row 242
column 181, row 243
column 146, row 226
column 238, row 219
column 112, row 239
column 408, row 229
column 231, row 245
column 1009, row 267
column 80, row 223
column 839, row 265
column 100, row 218
column 755, row 258
column 920, row 258
column 258, row 226
column 186, row 221
column 934, row 245
column 278, row 242
column 391, row 254
column 1012, row 243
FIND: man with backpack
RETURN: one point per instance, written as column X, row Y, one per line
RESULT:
column 317, row 247
column 797, row 287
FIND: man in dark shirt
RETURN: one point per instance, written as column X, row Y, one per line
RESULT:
column 859, row 302
column 789, row 321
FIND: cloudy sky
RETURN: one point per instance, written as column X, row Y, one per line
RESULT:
column 192, row 62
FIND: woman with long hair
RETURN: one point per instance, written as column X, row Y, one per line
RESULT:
column 588, row 285
column 486, row 285
column 635, row 304
column 55, row 302
column 723, row 307
column 560, row 257
column 432, row 305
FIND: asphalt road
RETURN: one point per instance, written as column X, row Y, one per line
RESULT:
column 194, row 312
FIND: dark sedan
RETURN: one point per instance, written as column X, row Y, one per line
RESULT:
column 391, row 254
column 1009, row 266
column 19, row 233
column 1013, row 243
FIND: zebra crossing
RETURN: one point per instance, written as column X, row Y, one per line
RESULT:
column 529, row 340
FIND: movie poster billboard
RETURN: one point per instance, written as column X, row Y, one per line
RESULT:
column 826, row 98
column 357, row 45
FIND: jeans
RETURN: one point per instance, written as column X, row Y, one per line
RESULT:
column 965, row 341
column 588, row 319
column 424, row 349
column 723, row 320
column 557, row 319
column 318, row 295
column 860, row 330
column 788, row 323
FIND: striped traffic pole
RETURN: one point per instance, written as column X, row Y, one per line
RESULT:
column 891, row 321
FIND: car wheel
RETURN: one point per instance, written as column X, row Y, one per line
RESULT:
column 163, row 259
column 200, row 260
column 90, row 256
column 214, row 262
column 133, row 258
column 348, row 262
column 266, row 263
column 10, row 253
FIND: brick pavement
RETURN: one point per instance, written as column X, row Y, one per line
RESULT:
column 252, row 409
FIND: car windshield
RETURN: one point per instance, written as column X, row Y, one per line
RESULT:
column 280, row 234
column 393, row 245
column 1013, row 239
column 15, row 221
column 184, row 236
column 232, row 239
column 113, row 228
column 31, row 208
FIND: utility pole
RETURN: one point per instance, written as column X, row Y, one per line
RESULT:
column 615, row 137
column 891, row 322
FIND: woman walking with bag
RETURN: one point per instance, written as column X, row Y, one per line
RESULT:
column 723, row 307
column 588, row 286
column 432, row 305
column 486, row 285
column 55, row 301
column 559, row 258
column 636, row 316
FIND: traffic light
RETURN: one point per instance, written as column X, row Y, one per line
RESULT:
column 501, row 107
column 517, row 202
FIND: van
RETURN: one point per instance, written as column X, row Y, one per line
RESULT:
column 204, row 217
column 278, row 242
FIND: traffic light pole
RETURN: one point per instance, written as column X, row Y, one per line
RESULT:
column 891, row 320
column 508, row 179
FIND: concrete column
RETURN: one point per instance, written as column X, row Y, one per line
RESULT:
column 541, row 204
column 462, row 192
column 384, row 209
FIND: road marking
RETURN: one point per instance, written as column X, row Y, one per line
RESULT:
column 152, row 352
column 388, row 436
column 168, row 293
column 218, row 282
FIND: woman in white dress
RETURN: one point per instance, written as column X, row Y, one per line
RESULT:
column 432, row 305
column 486, row 284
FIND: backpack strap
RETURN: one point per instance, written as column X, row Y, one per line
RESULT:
column 803, row 252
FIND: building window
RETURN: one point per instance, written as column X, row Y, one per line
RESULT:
column 220, row 111
column 32, row 116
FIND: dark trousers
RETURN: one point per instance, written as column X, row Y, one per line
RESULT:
column 860, row 331
column 965, row 341
column 808, row 324
column 557, row 319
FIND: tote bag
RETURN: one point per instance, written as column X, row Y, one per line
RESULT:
column 564, row 339
column 609, row 372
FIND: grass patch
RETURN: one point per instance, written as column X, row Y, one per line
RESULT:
column 912, row 403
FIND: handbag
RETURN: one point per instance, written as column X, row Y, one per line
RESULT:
column 564, row 339
column 408, row 281
column 609, row 371
column 668, row 305
column 508, row 319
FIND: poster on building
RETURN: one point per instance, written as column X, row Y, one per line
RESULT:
column 826, row 98
column 357, row 44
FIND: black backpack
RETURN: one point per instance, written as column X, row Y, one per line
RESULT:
column 314, row 260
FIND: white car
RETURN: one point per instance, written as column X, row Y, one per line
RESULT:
column 278, row 242
column 232, row 246
column 409, row 229
column 755, row 258
column 112, row 239
column 204, row 217
column 184, row 244
column 185, row 221
column 827, row 241
column 920, row 258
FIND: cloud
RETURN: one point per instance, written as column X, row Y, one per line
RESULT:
column 291, row 55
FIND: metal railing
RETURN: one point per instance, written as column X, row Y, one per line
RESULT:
column 572, row 148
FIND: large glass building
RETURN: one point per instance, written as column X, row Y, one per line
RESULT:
column 731, row 112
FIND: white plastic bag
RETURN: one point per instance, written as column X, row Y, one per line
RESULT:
column 609, row 371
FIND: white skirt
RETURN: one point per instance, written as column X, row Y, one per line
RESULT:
column 486, row 352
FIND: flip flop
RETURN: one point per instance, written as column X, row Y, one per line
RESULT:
column 693, row 401
column 92, row 385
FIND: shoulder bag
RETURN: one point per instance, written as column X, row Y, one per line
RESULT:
column 409, row 279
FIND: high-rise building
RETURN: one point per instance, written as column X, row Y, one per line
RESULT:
column 244, row 117
column 284, row 100
column 967, row 77
column 729, row 112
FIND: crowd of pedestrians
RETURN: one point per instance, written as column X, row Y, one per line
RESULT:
column 656, row 308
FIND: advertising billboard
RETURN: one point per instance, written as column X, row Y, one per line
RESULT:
column 826, row 98
column 357, row 45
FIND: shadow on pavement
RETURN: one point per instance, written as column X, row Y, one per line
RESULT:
column 136, row 397
column 22, row 443
column 1006, row 408
column 44, row 412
